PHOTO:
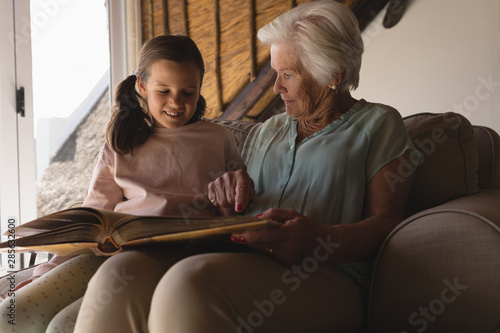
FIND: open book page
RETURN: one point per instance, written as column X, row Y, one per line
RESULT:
column 101, row 219
column 106, row 232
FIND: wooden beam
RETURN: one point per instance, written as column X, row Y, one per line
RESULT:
column 185, row 17
column 166, row 25
column 366, row 11
column 148, row 17
column 274, row 107
column 394, row 13
column 217, row 69
column 249, row 96
column 253, row 39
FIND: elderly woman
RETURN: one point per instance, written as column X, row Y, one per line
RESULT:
column 329, row 169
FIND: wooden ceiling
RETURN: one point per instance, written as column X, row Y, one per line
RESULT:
column 238, row 80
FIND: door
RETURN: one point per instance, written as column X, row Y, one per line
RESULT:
column 17, row 158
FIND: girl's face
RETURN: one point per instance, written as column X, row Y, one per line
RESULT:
column 172, row 91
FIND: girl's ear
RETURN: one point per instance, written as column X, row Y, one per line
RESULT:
column 141, row 85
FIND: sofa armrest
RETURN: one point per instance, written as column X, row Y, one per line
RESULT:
column 438, row 270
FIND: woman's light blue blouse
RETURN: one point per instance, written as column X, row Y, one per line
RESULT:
column 324, row 177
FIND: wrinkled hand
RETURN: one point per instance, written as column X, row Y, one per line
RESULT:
column 232, row 191
column 294, row 240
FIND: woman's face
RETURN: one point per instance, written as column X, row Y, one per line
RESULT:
column 304, row 98
column 172, row 91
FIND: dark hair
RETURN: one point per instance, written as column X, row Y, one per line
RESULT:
column 130, row 124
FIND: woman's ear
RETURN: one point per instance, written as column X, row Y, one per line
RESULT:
column 337, row 79
column 141, row 85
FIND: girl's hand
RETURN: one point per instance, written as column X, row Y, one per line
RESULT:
column 232, row 191
column 299, row 237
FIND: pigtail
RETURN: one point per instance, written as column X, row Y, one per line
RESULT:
column 129, row 126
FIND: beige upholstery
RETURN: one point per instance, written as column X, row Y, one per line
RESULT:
column 246, row 133
column 487, row 143
column 438, row 270
column 449, row 162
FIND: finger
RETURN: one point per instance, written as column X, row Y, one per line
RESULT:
column 244, row 191
column 269, row 242
column 218, row 196
column 225, row 191
column 279, row 214
column 243, row 194
column 261, row 238
column 212, row 195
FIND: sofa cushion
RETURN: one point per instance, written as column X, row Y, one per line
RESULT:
column 449, row 163
column 488, row 154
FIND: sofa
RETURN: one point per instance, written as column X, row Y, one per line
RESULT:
column 438, row 270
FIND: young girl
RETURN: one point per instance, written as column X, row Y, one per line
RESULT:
column 158, row 160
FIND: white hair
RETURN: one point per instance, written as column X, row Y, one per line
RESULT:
column 326, row 35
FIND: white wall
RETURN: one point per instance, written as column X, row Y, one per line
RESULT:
column 439, row 57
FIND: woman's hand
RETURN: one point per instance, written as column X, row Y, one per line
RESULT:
column 298, row 237
column 232, row 191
